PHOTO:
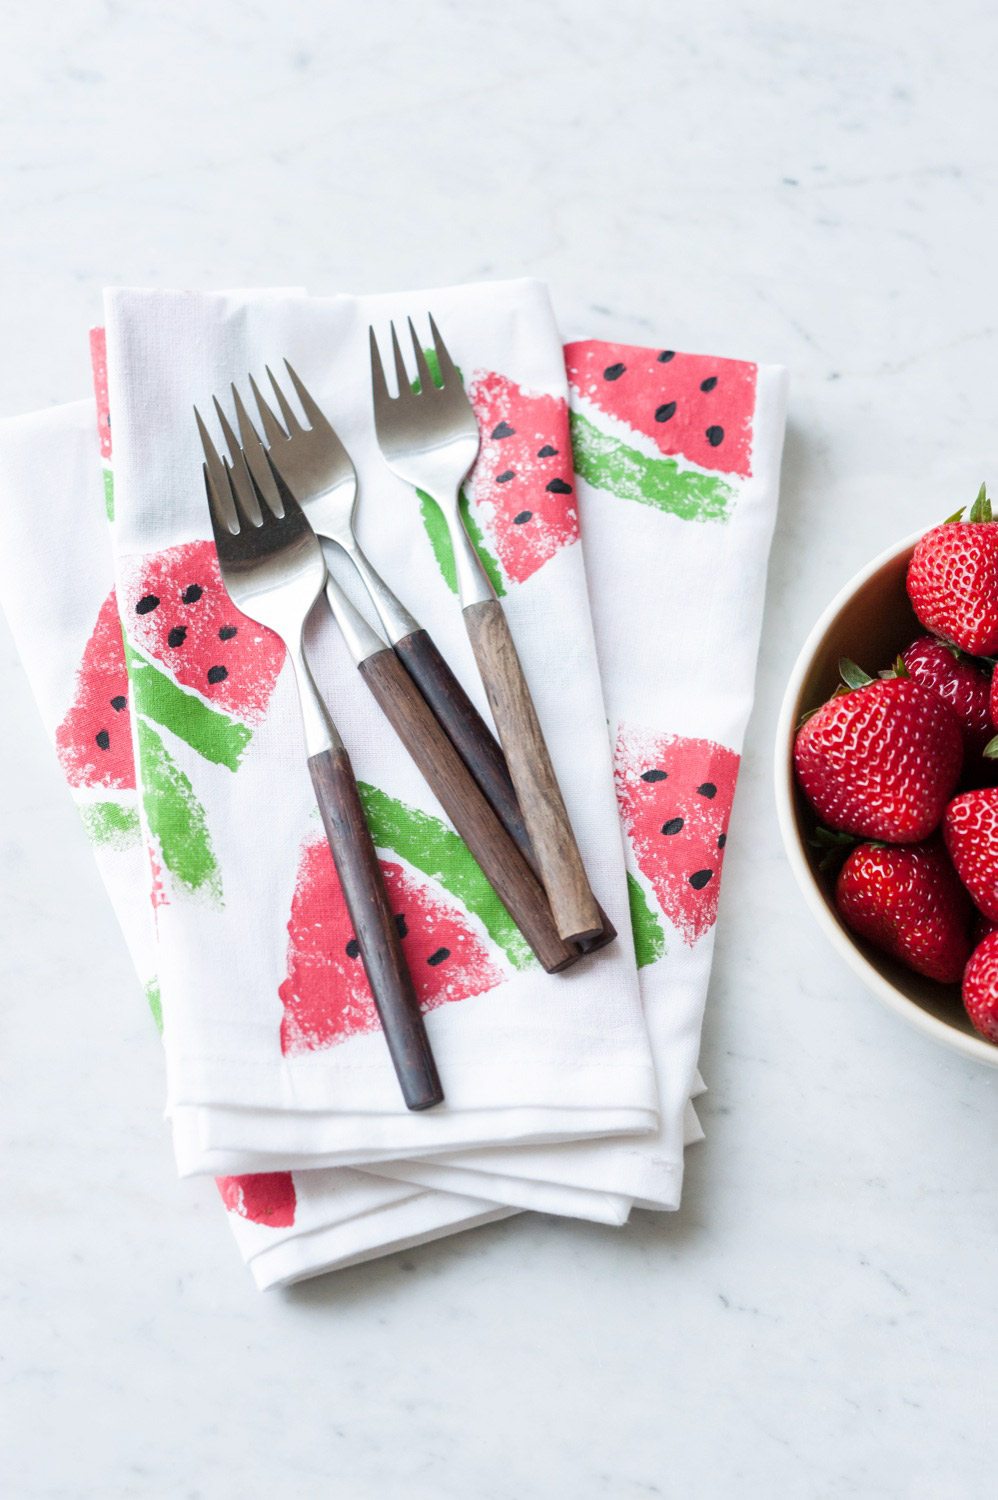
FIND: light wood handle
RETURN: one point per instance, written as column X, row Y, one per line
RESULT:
column 374, row 927
column 559, row 863
column 478, row 748
column 462, row 800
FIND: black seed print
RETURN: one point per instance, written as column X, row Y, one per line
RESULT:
column 177, row 636
column 699, row 879
column 715, row 436
column 522, row 518
column 103, row 739
column 400, row 925
column 614, row 372
column 709, row 383
column 438, row 957
column 192, row 593
column 654, row 775
column 722, row 839
column 146, row 604
column 666, row 355
column 217, row 674
column 558, row 487
column 673, row 825
column 547, row 451
column 353, row 948
column 503, row 430
column 707, row 789
column 227, row 632
column 118, row 702
column 665, row 411
column 506, row 476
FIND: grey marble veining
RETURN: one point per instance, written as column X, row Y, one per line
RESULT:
column 814, row 186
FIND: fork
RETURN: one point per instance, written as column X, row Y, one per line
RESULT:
column 272, row 566
column 428, row 435
column 413, row 721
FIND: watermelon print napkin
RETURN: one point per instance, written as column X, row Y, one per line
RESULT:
column 677, row 463
column 270, row 1035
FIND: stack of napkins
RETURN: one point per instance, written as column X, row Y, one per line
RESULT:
column 622, row 504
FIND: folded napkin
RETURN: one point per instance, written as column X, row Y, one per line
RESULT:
column 639, row 486
column 270, row 1036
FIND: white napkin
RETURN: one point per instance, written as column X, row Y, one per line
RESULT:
column 677, row 467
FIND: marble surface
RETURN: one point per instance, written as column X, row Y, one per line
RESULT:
column 780, row 182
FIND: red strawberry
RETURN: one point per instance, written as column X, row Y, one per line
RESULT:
column 953, row 579
column 959, row 682
column 983, row 927
column 908, row 902
column 980, row 988
column 970, row 829
column 880, row 760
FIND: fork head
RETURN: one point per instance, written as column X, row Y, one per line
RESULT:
column 269, row 556
column 428, row 432
column 311, row 460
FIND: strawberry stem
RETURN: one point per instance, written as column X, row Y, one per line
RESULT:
column 852, row 675
column 981, row 509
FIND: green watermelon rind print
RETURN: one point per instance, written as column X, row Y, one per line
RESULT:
column 649, row 938
column 111, row 825
column 214, row 736
column 154, row 1001
column 435, row 850
column 175, row 818
column 608, row 463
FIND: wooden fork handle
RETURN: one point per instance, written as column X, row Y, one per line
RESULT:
column 463, row 801
column 477, row 746
column 374, row 927
column 559, row 863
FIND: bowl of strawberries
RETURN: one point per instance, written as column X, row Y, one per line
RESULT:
column 887, row 778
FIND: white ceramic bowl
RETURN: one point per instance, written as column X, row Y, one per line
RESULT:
column 870, row 621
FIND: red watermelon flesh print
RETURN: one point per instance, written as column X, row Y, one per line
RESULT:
column 675, row 800
column 262, row 1197
column 177, row 611
column 94, row 740
column 691, row 405
column 98, row 361
column 326, row 995
column 524, row 484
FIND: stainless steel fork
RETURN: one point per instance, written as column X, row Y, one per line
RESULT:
column 428, row 434
column 272, row 566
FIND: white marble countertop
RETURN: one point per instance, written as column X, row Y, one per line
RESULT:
column 819, row 1320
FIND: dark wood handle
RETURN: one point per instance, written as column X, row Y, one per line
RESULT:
column 478, row 748
column 464, row 803
column 559, row 863
column 374, row 927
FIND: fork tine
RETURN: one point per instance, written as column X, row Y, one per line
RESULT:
column 256, row 456
column 379, row 384
column 448, row 369
column 221, row 524
column 309, row 405
column 401, row 373
column 215, row 478
column 291, row 422
column 241, row 485
column 426, row 380
column 235, row 456
column 272, row 428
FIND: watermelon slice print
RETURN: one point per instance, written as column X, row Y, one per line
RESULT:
column 94, row 740
column 262, row 1197
column 98, row 364
column 178, row 612
column 689, row 405
column 523, row 482
column 326, row 995
column 675, row 799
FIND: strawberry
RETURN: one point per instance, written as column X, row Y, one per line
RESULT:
column 970, row 829
column 908, row 902
column 980, row 988
column 881, row 758
column 960, row 683
column 983, row 927
column 953, row 579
